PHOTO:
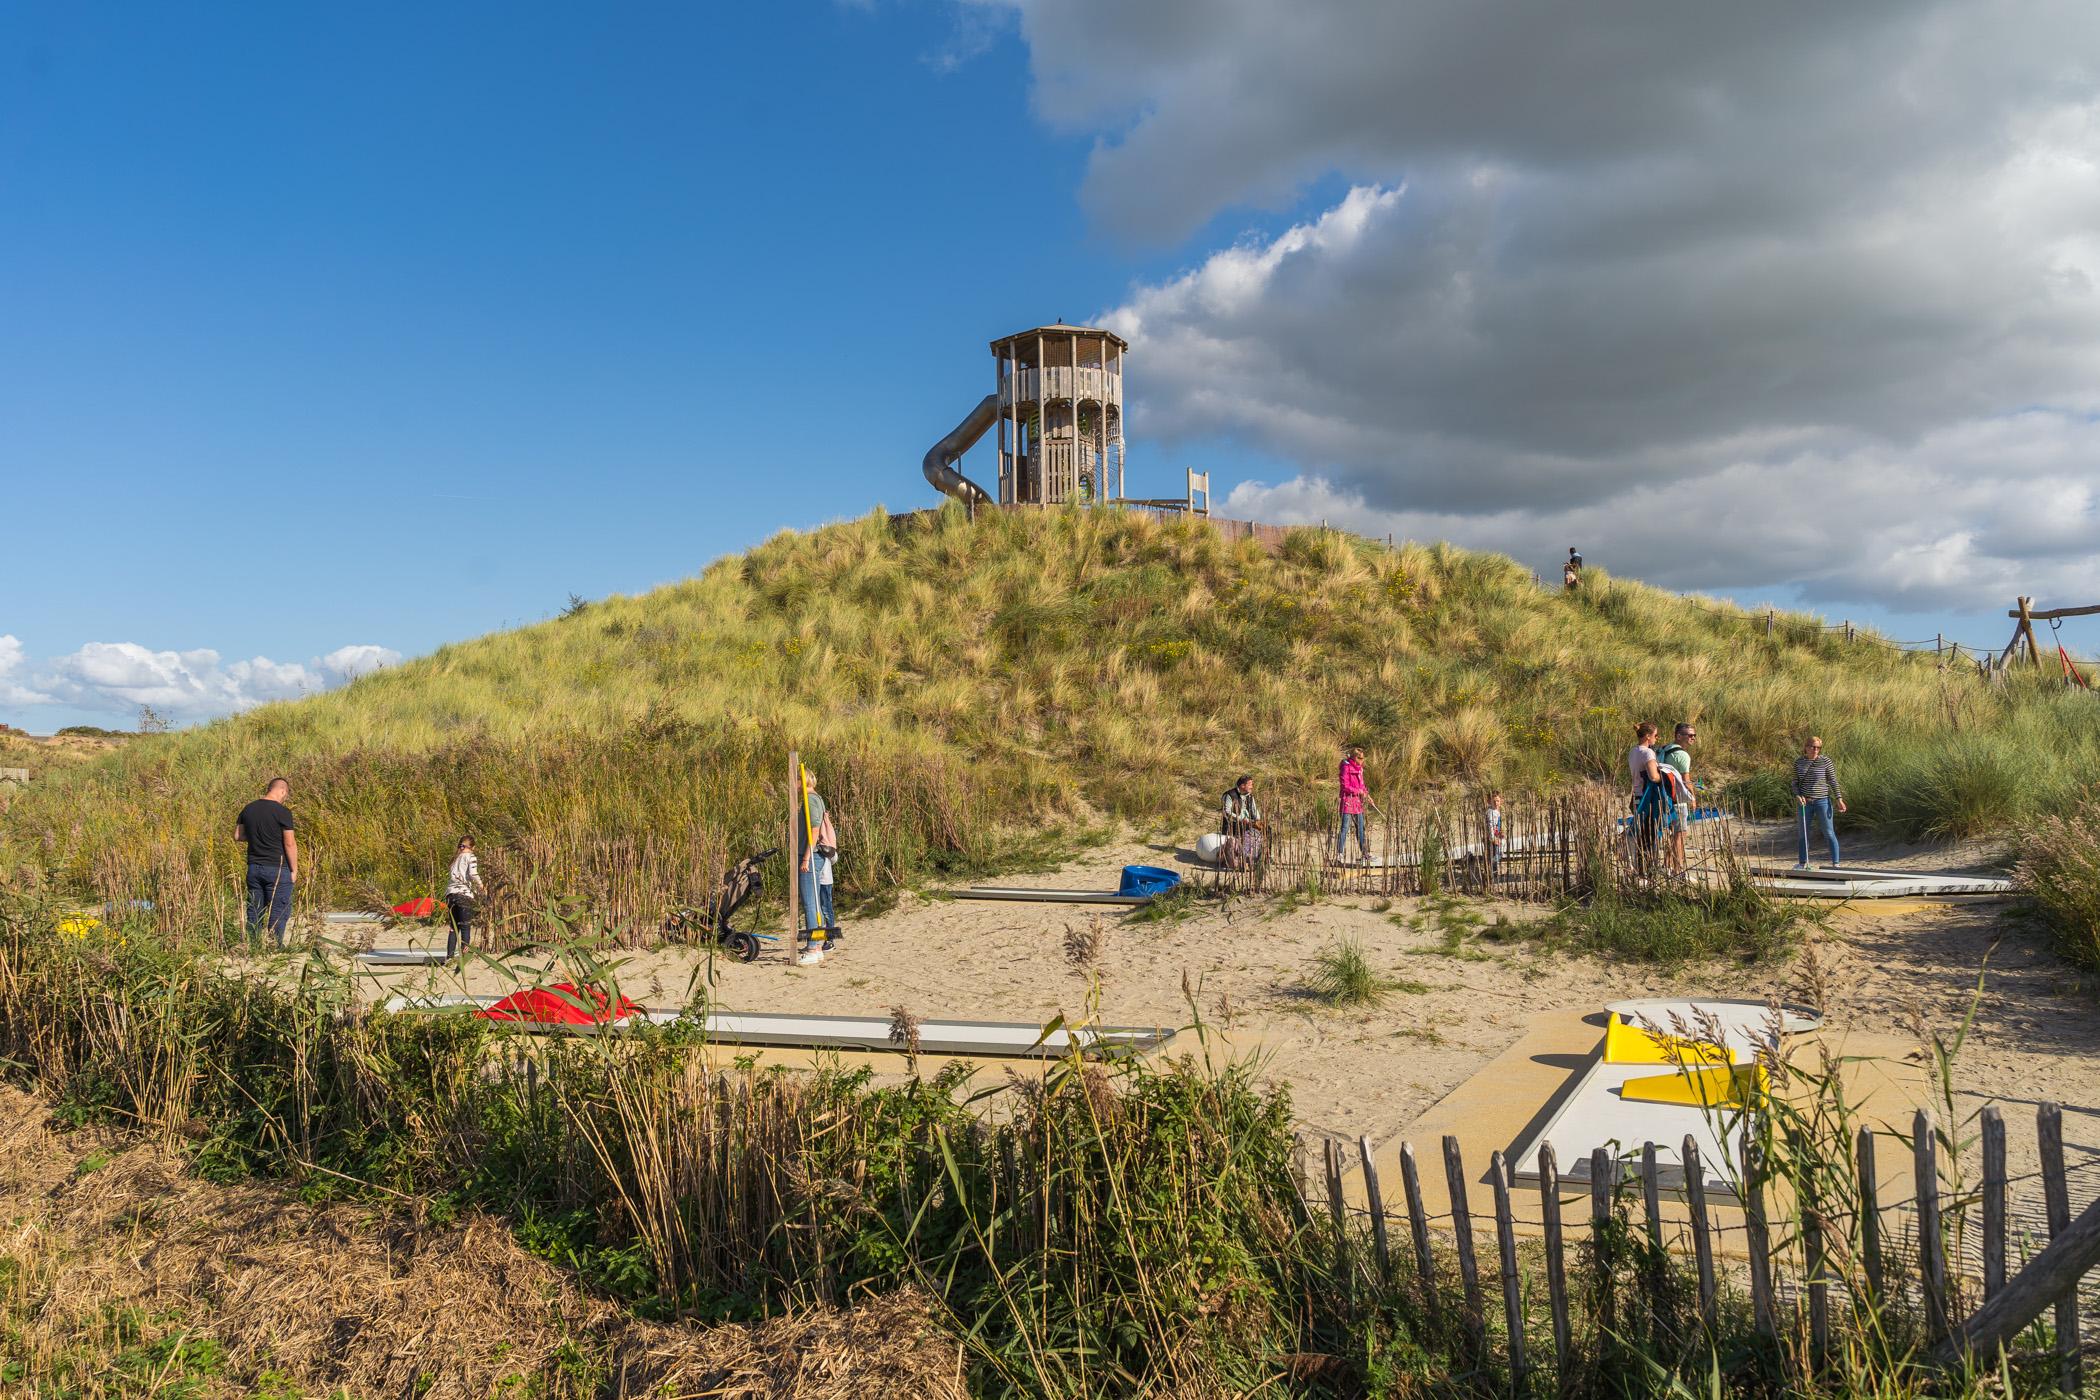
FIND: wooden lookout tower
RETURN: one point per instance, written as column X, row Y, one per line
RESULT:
column 1058, row 409
column 1060, row 391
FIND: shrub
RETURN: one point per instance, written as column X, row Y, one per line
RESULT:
column 1677, row 925
column 1342, row 975
column 2060, row 868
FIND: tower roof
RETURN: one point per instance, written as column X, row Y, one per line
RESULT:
column 1061, row 329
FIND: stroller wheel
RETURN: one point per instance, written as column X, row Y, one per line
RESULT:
column 743, row 946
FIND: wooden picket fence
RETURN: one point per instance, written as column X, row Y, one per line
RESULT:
column 1553, row 848
column 1810, row 1273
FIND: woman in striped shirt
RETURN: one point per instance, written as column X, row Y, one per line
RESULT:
column 1815, row 792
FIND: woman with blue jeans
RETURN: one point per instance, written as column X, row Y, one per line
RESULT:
column 1353, row 793
column 1817, row 793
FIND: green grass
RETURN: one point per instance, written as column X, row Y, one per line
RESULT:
column 1342, row 975
column 1118, row 1230
column 1673, row 926
column 2060, row 869
column 960, row 688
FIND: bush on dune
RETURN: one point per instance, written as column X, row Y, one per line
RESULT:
column 2060, row 868
column 1672, row 925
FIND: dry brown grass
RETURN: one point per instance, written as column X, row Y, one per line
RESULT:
column 372, row 1302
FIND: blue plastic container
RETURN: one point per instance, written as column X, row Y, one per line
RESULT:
column 1147, row 880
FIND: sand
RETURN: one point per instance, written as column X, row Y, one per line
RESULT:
column 1465, row 996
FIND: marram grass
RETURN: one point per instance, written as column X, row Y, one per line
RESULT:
column 956, row 685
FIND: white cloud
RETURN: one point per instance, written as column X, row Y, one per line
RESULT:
column 13, row 660
column 348, row 663
column 1818, row 283
column 1965, row 519
column 119, row 677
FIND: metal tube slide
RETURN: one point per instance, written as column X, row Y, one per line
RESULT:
column 942, row 457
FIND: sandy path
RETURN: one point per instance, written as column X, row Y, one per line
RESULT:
column 1466, row 994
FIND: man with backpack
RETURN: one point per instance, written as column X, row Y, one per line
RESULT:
column 1677, row 757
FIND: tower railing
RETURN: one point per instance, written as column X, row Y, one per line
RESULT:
column 1053, row 382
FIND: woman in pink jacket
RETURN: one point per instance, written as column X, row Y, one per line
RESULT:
column 1353, row 794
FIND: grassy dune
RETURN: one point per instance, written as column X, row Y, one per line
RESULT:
column 964, row 688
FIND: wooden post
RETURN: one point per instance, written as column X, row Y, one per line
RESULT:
column 1869, row 1217
column 1331, row 1161
column 1377, row 1203
column 1602, row 1171
column 1759, row 1239
column 1556, row 1254
column 1848, row 629
column 1993, row 1202
column 1651, row 1194
column 2034, row 648
column 2056, row 1192
column 1932, row 1255
column 1462, row 1226
column 794, row 847
column 1418, row 1223
column 1512, row 1295
column 1768, row 622
column 1702, row 1232
column 1818, row 1286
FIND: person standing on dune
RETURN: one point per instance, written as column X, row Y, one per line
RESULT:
column 463, row 888
column 825, row 862
column 265, row 828
column 813, row 816
column 1816, row 794
column 1350, row 778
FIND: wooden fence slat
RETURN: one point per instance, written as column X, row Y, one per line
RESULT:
column 1651, row 1194
column 2056, row 1192
column 1932, row 1255
column 1556, row 1255
column 1818, row 1287
column 1377, row 1203
column 1603, row 1171
column 1418, row 1224
column 1993, row 1202
column 1759, row 1240
column 1702, row 1232
column 2049, row 1277
column 1512, row 1294
column 1869, row 1216
column 1462, row 1226
column 1334, row 1191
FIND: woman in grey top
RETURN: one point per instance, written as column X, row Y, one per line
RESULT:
column 463, row 891
column 1815, row 792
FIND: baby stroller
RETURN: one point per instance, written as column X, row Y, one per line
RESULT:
column 739, row 888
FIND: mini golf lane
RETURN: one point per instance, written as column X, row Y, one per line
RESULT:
column 1510, row 1099
column 968, row 1039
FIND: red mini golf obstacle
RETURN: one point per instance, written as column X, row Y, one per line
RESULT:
column 563, row 1004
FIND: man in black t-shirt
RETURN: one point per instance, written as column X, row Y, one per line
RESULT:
column 265, row 827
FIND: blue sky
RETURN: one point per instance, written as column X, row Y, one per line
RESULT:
column 395, row 324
